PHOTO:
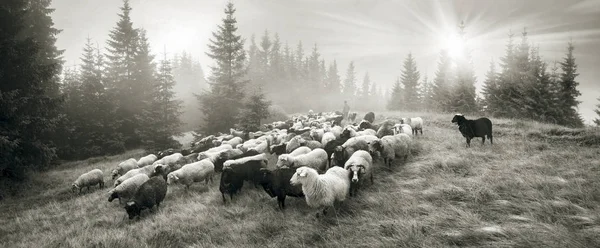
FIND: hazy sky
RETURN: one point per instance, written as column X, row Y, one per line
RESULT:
column 376, row 34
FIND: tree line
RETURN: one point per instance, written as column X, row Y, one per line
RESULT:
column 524, row 87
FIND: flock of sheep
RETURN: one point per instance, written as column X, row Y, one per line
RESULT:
column 321, row 157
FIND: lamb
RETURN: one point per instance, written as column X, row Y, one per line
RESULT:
column 391, row 147
column 474, row 128
column 146, row 160
column 402, row 128
column 322, row 190
column 415, row 123
column 385, row 129
column 195, row 172
column 88, row 179
column 316, row 159
column 126, row 190
column 148, row 170
column 151, row 193
column 360, row 166
column 327, row 137
column 170, row 159
column 124, row 167
column 370, row 117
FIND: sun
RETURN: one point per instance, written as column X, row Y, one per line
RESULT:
column 454, row 46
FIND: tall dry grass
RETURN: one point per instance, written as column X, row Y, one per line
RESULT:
column 537, row 186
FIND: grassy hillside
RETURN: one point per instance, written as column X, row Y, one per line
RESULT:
column 537, row 186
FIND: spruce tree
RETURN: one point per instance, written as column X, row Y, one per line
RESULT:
column 410, row 79
column 29, row 86
column 568, row 90
column 162, row 117
column 463, row 91
column 276, row 69
column 396, row 97
column 350, row 82
column 425, row 94
column 441, row 83
column 333, row 85
column 256, row 108
column 223, row 102
column 597, row 110
column 364, row 91
column 374, row 96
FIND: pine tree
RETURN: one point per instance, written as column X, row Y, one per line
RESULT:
column 277, row 70
column 463, row 93
column 299, row 62
column 313, row 69
column 568, row 90
column 410, row 79
column 597, row 110
column 425, row 95
column 255, row 109
column 396, row 97
column 333, row 86
column 442, row 83
column 29, row 86
column 162, row 117
column 490, row 90
column 350, row 82
column 222, row 103
column 374, row 96
column 364, row 91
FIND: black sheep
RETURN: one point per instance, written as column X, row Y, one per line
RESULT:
column 367, row 125
column 370, row 117
column 224, row 156
column 231, row 182
column 151, row 193
column 164, row 153
column 330, row 148
column 234, row 175
column 278, row 149
column 277, row 184
column 474, row 128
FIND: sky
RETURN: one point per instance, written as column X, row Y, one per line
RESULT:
column 376, row 34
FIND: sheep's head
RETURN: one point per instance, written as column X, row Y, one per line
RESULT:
column 202, row 155
column 217, row 142
column 375, row 146
column 115, row 174
column 133, row 209
column 112, row 194
column 365, row 125
column 117, row 182
column 458, row 119
column 171, row 179
column 74, row 187
column 356, row 171
column 283, row 161
column 158, row 170
column 299, row 176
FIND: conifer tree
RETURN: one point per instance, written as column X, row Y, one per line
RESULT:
column 490, row 90
column 29, row 86
column 597, row 110
column 410, row 79
column 255, row 109
column 396, row 96
column 442, row 83
column 222, row 103
column 364, row 91
column 425, row 94
column 350, row 82
column 374, row 96
column 333, row 79
column 568, row 91
column 463, row 91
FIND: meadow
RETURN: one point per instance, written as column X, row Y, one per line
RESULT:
column 537, row 186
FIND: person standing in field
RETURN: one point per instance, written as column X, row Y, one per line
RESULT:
column 345, row 110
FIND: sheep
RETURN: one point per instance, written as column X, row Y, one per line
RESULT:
column 277, row 184
column 385, row 129
column 146, row 160
column 164, row 153
column 235, row 172
column 342, row 153
column 416, row 124
column 352, row 116
column 322, row 190
column 236, row 133
column 313, row 144
column 294, row 143
column 217, row 149
column 151, row 193
column 148, row 170
column 124, row 167
column 402, row 128
column 188, row 159
column 127, row 189
column 350, row 132
column 317, row 134
column 195, row 172
column 370, row 117
column 391, row 147
column 278, row 149
column 231, row 154
column 327, row 137
column 360, row 166
column 366, row 125
column 316, row 159
column 88, row 179
column 474, row 128
column 299, row 151
column 170, row 159
column 337, row 131
column 262, row 147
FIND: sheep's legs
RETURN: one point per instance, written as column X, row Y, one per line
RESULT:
column 491, row 139
column 483, row 140
column 223, row 195
column 468, row 142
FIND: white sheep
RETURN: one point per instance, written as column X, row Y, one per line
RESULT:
column 127, row 189
column 360, row 166
column 342, row 153
column 313, row 144
column 124, row 167
column 243, row 160
column 262, row 147
column 146, row 160
column 391, row 147
column 402, row 128
column 337, row 131
column 148, row 170
column 195, row 172
column 316, row 159
column 294, row 143
column 88, row 179
column 415, row 123
column 233, row 142
column 170, row 159
column 218, row 149
column 327, row 137
column 317, row 134
column 322, row 190
column 298, row 151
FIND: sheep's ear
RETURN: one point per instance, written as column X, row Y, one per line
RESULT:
column 129, row 204
column 302, row 174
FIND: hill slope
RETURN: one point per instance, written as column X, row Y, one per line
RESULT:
column 537, row 186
